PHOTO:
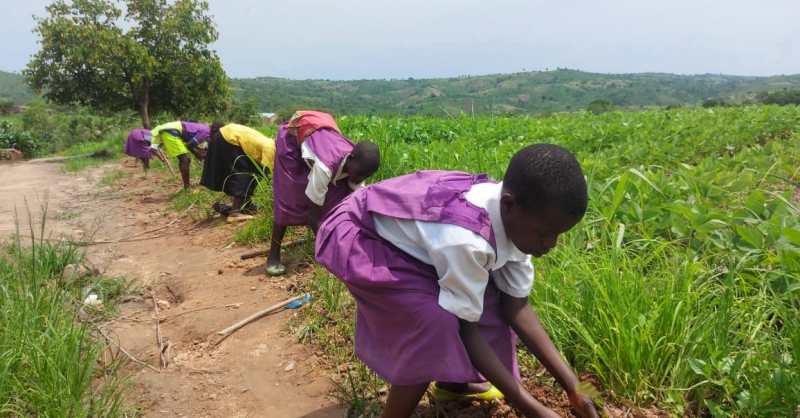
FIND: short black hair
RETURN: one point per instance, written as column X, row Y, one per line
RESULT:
column 544, row 176
column 368, row 155
column 216, row 126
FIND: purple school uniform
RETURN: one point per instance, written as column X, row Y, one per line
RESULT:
column 137, row 146
column 196, row 133
column 401, row 331
column 290, row 173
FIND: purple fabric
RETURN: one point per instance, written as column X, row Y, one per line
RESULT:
column 136, row 146
column 197, row 133
column 290, row 174
column 401, row 331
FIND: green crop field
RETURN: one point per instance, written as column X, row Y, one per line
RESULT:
column 681, row 286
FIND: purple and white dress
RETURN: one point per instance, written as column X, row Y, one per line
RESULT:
column 418, row 252
column 138, row 144
column 291, row 172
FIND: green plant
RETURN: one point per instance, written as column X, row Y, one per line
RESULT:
column 676, row 288
column 50, row 359
column 23, row 141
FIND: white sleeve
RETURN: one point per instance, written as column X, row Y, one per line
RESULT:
column 463, row 276
column 515, row 278
column 318, row 181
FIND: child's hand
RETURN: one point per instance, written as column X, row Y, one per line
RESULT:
column 582, row 400
column 583, row 405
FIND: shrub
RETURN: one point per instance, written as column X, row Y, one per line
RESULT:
column 23, row 141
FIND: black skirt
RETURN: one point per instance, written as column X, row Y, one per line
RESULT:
column 226, row 168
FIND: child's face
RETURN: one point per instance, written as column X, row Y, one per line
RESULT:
column 533, row 232
column 356, row 172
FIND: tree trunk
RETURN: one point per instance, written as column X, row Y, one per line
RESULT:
column 143, row 104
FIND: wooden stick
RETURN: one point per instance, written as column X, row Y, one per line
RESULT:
column 163, row 158
column 158, row 330
column 149, row 230
column 130, row 356
column 258, row 315
column 230, row 305
column 165, row 356
column 254, row 254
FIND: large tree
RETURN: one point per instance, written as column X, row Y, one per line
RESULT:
column 155, row 59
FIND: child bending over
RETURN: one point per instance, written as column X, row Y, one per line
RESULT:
column 439, row 265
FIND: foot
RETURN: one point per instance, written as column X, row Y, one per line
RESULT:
column 249, row 210
column 237, row 216
column 446, row 391
column 275, row 269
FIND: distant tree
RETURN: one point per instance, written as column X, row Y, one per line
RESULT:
column 35, row 118
column 780, row 97
column 160, row 61
column 245, row 113
column 6, row 105
column 598, row 106
column 709, row 103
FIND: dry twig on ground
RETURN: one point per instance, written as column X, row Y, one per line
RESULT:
column 225, row 333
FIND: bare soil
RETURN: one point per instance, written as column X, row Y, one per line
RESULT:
column 193, row 272
column 259, row 371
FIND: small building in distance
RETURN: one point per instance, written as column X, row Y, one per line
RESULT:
column 19, row 109
column 268, row 118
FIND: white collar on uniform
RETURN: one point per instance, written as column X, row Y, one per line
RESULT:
column 339, row 175
column 487, row 196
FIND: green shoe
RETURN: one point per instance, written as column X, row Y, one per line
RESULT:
column 444, row 395
column 275, row 270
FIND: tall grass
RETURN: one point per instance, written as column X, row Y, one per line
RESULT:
column 48, row 355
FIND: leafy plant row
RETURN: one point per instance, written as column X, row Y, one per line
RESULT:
column 681, row 287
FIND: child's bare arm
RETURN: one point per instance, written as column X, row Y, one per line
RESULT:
column 485, row 361
column 530, row 331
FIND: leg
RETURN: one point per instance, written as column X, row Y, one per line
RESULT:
column 184, row 161
column 243, row 204
column 238, row 201
column 274, row 266
column 145, row 164
column 403, row 400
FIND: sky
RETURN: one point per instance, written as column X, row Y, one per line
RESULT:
column 386, row 39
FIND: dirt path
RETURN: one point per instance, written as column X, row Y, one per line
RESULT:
column 257, row 372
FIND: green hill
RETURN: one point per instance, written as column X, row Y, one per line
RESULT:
column 12, row 87
column 527, row 92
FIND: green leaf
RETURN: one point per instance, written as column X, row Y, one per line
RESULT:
column 698, row 366
column 752, row 236
column 792, row 235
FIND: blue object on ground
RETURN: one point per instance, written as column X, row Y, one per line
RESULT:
column 298, row 303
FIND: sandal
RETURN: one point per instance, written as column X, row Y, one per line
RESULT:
column 221, row 209
column 236, row 216
column 444, row 395
column 275, row 270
